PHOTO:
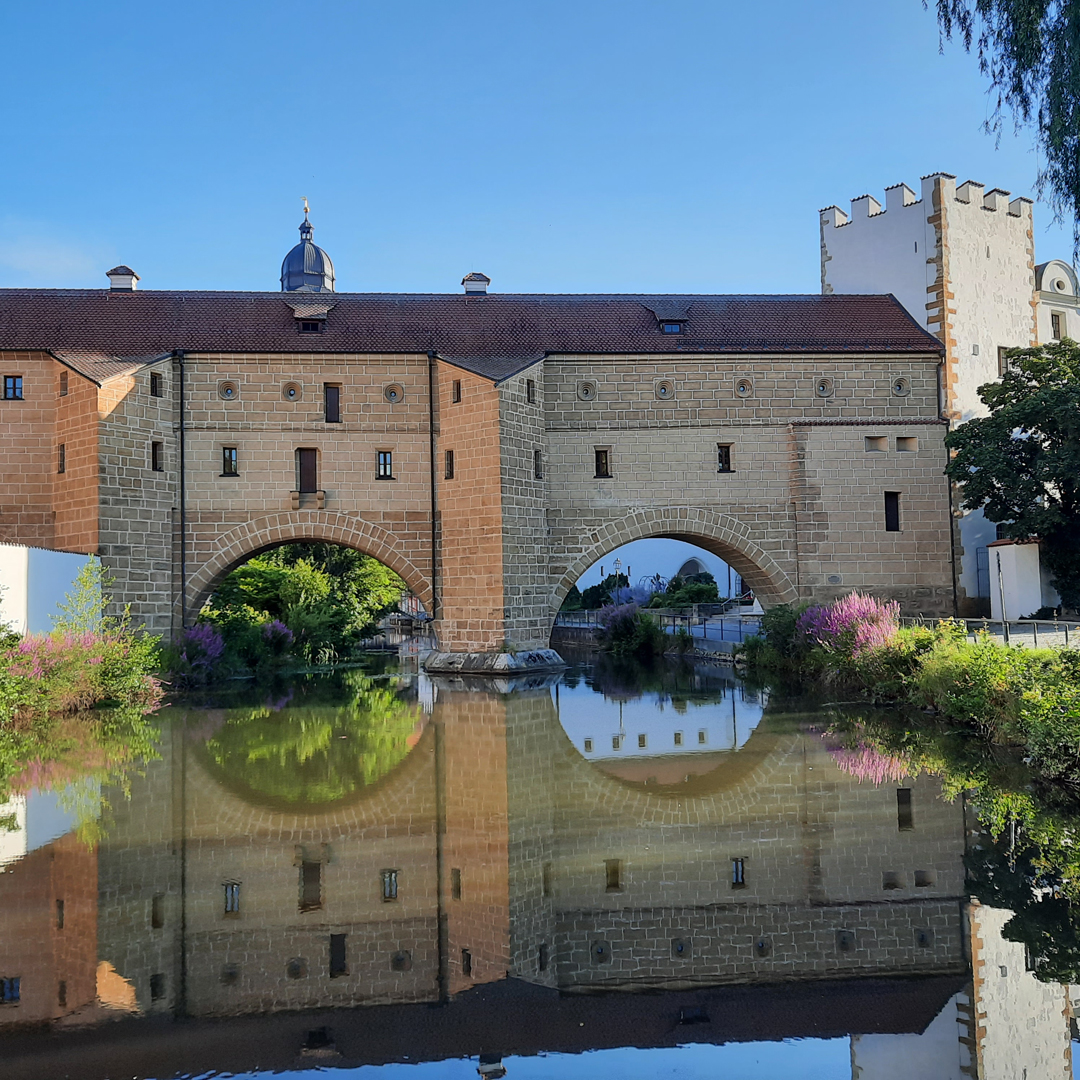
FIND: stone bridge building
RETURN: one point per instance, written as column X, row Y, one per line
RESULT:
column 489, row 448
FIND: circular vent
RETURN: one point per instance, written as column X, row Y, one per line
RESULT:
column 586, row 391
column 744, row 388
column 291, row 391
column 665, row 389
column 1061, row 286
column 296, row 968
column 230, row 975
column 228, row 391
column 394, row 393
column 824, row 388
column 901, row 387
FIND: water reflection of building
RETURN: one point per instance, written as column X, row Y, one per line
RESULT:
column 496, row 848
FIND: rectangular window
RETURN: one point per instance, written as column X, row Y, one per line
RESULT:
column 906, row 444
column 890, row 879
column 892, row 511
column 466, row 963
column 63, row 383
column 588, row 746
column 307, row 470
column 538, row 464
column 448, row 465
column 702, row 737
column 876, row 444
column 723, row 457
column 616, row 742
column 455, row 884
column 530, row 391
column 332, row 403
column 1003, row 360
column 310, row 886
column 547, row 880
column 339, row 961
column 157, row 987
column 1055, row 326
column 13, row 388
column 310, row 326
column 9, row 990
column 232, row 897
column 904, row 820
column 389, row 885
column 386, row 465
column 613, row 875
column 541, row 958
column 455, row 391
column 671, row 327
column 678, row 738
column 61, row 994
column 157, row 911
column 738, row 873
column 642, row 741
column 603, row 462
column 59, row 914
column 157, row 456
column 61, row 458
column 157, row 384
column 229, row 461
column 924, row 879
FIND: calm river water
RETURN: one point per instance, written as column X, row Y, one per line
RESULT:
column 621, row 872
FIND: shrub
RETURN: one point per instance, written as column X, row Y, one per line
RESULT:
column 627, row 631
column 850, row 625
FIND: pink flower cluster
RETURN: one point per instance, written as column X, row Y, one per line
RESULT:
column 853, row 623
column 36, row 656
column 866, row 763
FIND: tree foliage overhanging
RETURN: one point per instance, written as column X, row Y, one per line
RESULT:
column 1030, row 51
column 1021, row 464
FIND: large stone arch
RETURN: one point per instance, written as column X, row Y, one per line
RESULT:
column 720, row 534
column 271, row 530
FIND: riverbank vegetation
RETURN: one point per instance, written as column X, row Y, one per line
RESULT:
column 999, row 726
column 76, row 704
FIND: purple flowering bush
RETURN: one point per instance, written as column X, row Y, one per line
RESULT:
column 851, row 625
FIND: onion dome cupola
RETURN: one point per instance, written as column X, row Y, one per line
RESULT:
column 307, row 268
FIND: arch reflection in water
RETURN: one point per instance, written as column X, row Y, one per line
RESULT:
column 495, row 855
column 666, row 730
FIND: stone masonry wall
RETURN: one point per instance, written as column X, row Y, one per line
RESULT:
column 75, row 494
column 665, row 479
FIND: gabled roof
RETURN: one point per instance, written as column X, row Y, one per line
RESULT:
column 494, row 335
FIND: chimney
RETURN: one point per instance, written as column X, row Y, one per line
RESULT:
column 121, row 279
column 475, row 284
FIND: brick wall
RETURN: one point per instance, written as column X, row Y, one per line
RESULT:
column 75, row 494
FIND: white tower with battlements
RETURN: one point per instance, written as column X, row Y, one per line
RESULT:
column 962, row 261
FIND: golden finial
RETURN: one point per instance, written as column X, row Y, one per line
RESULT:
column 307, row 209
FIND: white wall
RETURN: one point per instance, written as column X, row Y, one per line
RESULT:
column 33, row 581
column 1019, row 584
column 14, row 586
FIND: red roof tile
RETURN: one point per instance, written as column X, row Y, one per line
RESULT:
column 494, row 335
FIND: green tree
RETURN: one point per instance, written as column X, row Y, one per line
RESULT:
column 1030, row 51
column 1021, row 464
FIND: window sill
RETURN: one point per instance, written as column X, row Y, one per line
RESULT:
column 385, row 477
column 331, row 421
column 602, row 476
column 724, row 472
column 229, row 475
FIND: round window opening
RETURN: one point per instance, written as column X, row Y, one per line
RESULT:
column 291, row 391
column 901, row 387
column 228, row 391
column 824, row 388
column 1061, row 286
column 665, row 389
column 744, row 388
column 394, row 393
column 586, row 391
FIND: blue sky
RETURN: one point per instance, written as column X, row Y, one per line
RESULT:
column 598, row 145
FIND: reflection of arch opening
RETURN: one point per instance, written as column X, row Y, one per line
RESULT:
column 272, row 530
column 718, row 534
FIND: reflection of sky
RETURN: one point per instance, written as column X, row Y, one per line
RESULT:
column 793, row 1059
column 727, row 723
column 46, row 819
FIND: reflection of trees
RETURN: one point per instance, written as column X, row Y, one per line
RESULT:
column 1027, row 860
column 78, row 756
column 323, row 746
column 680, row 681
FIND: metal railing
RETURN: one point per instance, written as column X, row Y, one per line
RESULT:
column 1022, row 633
column 702, row 625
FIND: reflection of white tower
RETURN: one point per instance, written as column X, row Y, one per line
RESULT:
column 12, row 830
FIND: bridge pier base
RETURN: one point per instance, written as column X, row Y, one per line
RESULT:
column 522, row 662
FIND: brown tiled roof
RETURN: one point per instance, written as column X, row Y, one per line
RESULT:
column 98, row 365
column 494, row 335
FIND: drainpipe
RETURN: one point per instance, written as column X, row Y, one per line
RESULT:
column 178, row 356
column 953, row 526
column 431, row 461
